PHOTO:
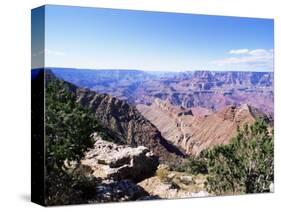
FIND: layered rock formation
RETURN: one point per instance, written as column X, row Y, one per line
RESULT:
column 120, row 83
column 116, row 170
column 123, row 122
column 196, row 133
column 127, row 124
column 212, row 90
column 117, row 162
column 208, row 89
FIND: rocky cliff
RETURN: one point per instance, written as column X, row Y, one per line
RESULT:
column 127, row 123
column 123, row 122
column 195, row 133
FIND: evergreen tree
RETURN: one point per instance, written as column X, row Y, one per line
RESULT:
column 68, row 125
column 68, row 129
column 245, row 165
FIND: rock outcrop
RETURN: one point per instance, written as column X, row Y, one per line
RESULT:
column 165, row 190
column 118, row 162
column 116, row 169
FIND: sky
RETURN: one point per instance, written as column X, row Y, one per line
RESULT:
column 94, row 38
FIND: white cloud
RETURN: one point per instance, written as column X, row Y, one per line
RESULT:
column 248, row 59
column 238, row 51
column 261, row 52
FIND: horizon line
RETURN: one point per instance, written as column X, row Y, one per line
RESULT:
column 143, row 70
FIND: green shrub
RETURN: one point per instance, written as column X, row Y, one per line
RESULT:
column 63, row 188
column 245, row 165
column 162, row 173
column 68, row 129
column 191, row 165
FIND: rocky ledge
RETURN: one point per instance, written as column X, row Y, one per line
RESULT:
column 117, row 162
column 124, row 173
column 168, row 184
column 123, row 190
column 168, row 190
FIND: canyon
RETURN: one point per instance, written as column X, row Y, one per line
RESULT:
column 186, row 112
column 195, row 130
column 212, row 90
column 151, row 123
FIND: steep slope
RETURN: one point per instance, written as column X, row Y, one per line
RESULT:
column 127, row 123
column 123, row 122
column 196, row 133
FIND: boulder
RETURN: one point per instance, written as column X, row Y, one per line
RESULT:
column 117, row 162
column 186, row 179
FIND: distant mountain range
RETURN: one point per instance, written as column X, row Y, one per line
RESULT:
column 212, row 90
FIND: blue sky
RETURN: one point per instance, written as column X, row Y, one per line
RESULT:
column 82, row 37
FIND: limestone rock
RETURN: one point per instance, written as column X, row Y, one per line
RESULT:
column 186, row 179
column 112, row 161
column 155, row 187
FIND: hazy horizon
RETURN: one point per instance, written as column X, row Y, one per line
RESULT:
column 134, row 69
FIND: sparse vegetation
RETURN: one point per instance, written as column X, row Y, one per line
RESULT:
column 68, row 130
column 162, row 173
column 192, row 165
column 180, row 180
column 243, row 166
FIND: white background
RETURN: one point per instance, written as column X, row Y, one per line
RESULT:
column 15, row 104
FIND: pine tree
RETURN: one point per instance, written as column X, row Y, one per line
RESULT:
column 245, row 165
column 68, row 129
